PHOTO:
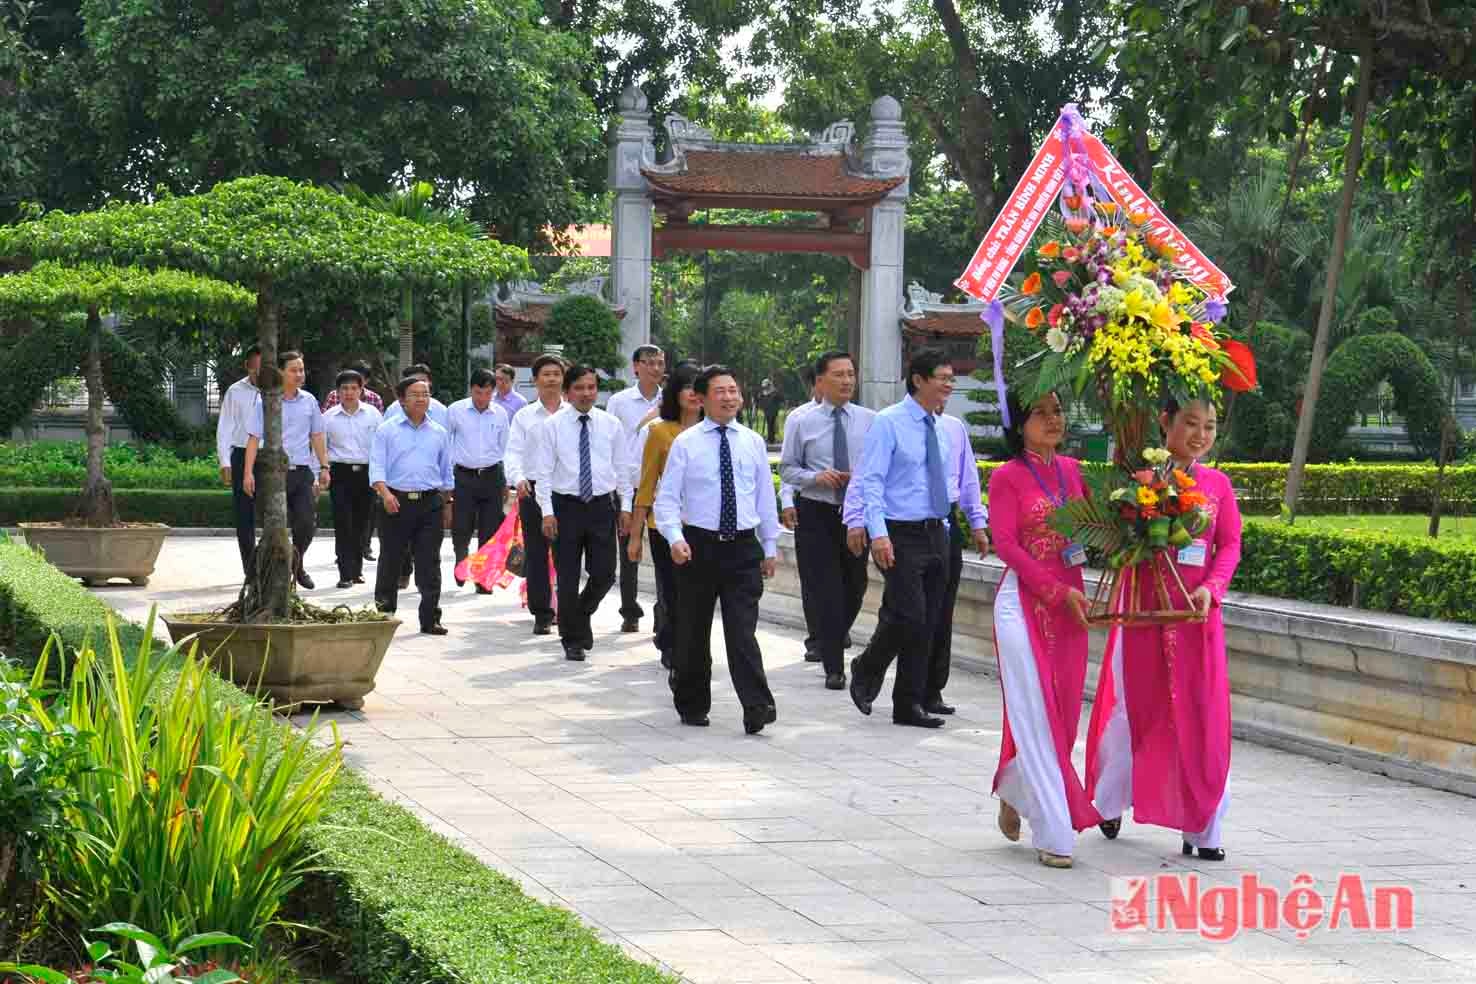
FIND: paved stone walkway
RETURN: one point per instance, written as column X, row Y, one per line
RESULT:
column 834, row 848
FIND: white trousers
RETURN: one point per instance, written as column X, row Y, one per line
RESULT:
column 1032, row 781
column 1114, row 793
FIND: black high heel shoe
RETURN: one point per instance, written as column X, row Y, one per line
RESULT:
column 1110, row 828
column 1205, row 853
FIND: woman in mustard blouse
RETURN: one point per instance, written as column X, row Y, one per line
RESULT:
column 681, row 407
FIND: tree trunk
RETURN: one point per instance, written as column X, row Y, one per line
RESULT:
column 1435, row 499
column 466, row 345
column 407, row 330
column 267, row 596
column 1353, row 157
column 96, row 508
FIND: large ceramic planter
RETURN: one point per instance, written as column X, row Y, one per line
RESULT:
column 293, row 664
column 96, row 554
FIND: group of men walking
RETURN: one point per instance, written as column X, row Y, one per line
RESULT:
column 902, row 479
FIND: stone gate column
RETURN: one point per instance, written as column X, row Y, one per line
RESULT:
column 630, row 233
column 884, row 154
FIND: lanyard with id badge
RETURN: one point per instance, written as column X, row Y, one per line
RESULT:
column 1074, row 555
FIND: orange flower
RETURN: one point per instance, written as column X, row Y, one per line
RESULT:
column 1108, row 208
column 1182, row 479
column 1073, row 202
column 1138, row 218
column 1188, row 500
column 1035, row 318
column 1051, row 250
column 1031, row 284
column 1076, row 226
column 1201, row 332
column 1109, row 232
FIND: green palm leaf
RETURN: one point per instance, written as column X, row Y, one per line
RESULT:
column 1089, row 522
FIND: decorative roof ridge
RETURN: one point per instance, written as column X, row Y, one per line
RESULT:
column 922, row 302
column 530, row 293
column 837, row 139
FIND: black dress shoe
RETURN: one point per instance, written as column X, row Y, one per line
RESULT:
column 436, row 629
column 345, row 582
column 813, row 657
column 936, row 706
column 835, row 681
column 404, row 583
column 754, row 718
column 369, row 555
column 630, row 625
column 1205, row 853
column 574, row 653
column 460, row 582
column 914, row 716
column 359, row 580
column 304, row 581
column 542, row 626
column 859, row 695
column 1111, row 828
column 695, row 720
column 482, row 590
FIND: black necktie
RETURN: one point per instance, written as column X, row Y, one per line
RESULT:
column 728, row 510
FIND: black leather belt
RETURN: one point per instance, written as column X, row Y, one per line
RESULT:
column 915, row 524
column 487, row 470
column 719, row 537
column 415, row 496
column 350, row 465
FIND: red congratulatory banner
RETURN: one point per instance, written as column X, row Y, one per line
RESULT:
column 1017, row 222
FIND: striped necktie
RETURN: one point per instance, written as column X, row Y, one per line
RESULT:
column 586, row 469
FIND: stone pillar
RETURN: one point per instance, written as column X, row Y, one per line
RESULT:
column 630, row 232
column 884, row 154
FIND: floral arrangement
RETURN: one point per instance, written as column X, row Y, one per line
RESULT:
column 1117, row 310
column 1158, row 508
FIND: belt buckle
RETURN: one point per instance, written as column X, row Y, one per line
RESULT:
column 727, row 537
column 413, row 496
column 356, row 467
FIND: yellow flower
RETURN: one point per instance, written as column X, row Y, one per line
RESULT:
column 1147, row 497
column 1166, row 317
column 1180, row 295
column 1135, row 304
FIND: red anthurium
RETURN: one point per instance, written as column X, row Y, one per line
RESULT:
column 1062, row 278
column 1053, row 317
column 1240, row 375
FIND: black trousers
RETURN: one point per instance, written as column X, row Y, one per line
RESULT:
column 911, row 606
column 535, row 557
column 353, row 502
column 586, row 540
column 478, row 507
column 835, row 579
column 882, row 650
column 415, row 529
column 245, row 510
column 630, row 584
column 728, row 571
column 302, row 510
column 668, row 586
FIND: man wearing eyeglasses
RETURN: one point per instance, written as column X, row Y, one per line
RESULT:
column 631, row 406
column 904, row 488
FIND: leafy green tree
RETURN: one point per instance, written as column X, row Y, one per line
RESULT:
column 52, row 291
column 587, row 329
column 268, row 233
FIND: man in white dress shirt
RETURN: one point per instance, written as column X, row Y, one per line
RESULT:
column 479, row 428
column 350, row 425
column 306, row 448
column 582, row 466
column 631, row 406
column 822, row 447
column 522, row 449
column 230, row 448
column 716, row 508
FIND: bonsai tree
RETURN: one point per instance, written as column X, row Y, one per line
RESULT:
column 587, row 329
column 52, row 292
column 271, row 235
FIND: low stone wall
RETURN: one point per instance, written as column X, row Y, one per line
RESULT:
column 1384, row 693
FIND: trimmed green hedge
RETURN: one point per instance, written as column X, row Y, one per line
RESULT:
column 63, row 464
column 405, row 903
column 1400, row 575
column 183, row 508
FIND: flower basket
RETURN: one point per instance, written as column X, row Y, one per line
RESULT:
column 1118, row 599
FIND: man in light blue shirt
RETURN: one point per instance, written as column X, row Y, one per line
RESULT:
column 716, row 508
column 509, row 399
column 905, row 495
column 822, row 446
column 305, row 443
column 479, row 429
column 410, row 469
column 436, row 409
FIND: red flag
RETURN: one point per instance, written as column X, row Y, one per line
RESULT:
column 1023, row 213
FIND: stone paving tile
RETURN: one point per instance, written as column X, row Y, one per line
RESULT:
column 834, row 848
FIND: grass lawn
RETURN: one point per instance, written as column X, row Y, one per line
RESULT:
column 1451, row 527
